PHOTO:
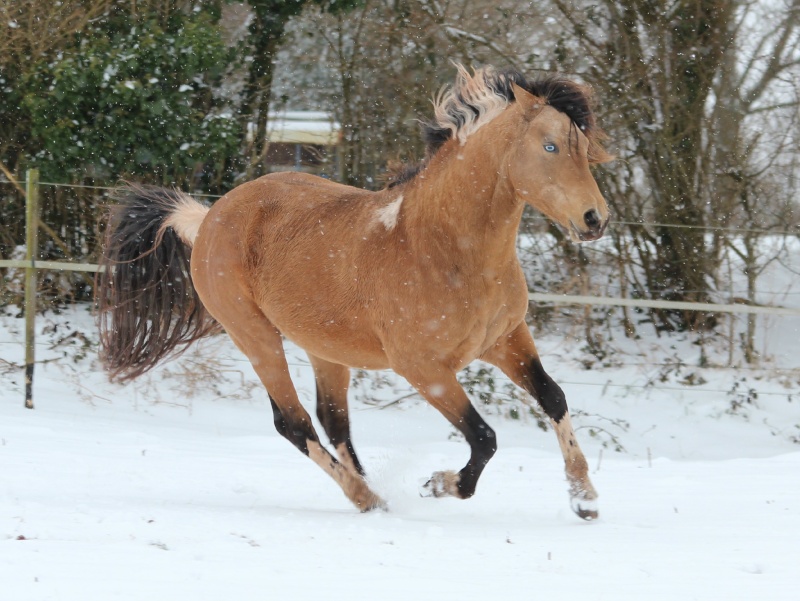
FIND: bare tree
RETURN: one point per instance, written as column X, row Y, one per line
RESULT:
column 388, row 58
column 670, row 70
column 755, row 128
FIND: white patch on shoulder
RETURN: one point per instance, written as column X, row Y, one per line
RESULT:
column 389, row 214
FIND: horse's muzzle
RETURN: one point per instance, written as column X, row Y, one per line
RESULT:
column 594, row 230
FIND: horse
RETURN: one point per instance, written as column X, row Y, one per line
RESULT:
column 421, row 277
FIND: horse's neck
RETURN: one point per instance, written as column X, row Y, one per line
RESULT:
column 464, row 198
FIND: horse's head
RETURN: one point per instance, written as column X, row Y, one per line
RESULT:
column 549, row 164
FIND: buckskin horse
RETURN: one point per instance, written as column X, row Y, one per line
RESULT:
column 421, row 277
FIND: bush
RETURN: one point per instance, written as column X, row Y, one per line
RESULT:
column 140, row 104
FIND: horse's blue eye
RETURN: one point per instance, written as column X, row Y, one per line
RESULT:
column 551, row 147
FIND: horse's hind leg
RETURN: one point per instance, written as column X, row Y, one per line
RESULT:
column 257, row 338
column 332, row 382
column 516, row 355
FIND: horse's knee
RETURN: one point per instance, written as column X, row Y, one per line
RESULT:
column 483, row 445
column 480, row 436
column 542, row 387
column 553, row 400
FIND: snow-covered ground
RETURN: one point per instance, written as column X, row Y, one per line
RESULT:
column 178, row 486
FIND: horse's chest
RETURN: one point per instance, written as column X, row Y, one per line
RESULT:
column 501, row 307
column 463, row 317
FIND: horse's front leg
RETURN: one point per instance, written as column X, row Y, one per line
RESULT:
column 441, row 389
column 516, row 355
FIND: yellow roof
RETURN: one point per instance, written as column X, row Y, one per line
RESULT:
column 303, row 127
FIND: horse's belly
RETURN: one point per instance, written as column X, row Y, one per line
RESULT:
column 335, row 340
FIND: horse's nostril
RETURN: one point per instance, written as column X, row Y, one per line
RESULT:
column 592, row 219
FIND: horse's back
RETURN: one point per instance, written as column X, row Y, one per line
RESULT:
column 284, row 201
column 297, row 180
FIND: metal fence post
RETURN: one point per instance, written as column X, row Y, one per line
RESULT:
column 31, row 287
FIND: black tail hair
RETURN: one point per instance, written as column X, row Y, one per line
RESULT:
column 148, row 307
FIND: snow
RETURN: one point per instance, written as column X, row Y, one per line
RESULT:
column 178, row 486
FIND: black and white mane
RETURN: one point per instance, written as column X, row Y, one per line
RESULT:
column 475, row 99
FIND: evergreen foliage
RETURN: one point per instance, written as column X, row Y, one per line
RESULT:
column 138, row 104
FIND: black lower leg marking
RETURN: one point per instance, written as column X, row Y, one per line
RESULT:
column 295, row 433
column 336, row 424
column 483, row 444
column 545, row 390
column 356, row 463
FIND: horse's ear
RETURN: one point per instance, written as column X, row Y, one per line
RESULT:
column 529, row 103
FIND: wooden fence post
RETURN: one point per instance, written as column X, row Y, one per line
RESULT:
column 31, row 286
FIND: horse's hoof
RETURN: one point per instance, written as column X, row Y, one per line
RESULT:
column 441, row 484
column 380, row 506
column 374, row 503
column 585, row 508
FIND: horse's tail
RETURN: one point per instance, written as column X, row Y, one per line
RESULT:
column 148, row 307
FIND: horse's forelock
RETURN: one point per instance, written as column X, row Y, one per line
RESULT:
column 576, row 102
column 568, row 97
